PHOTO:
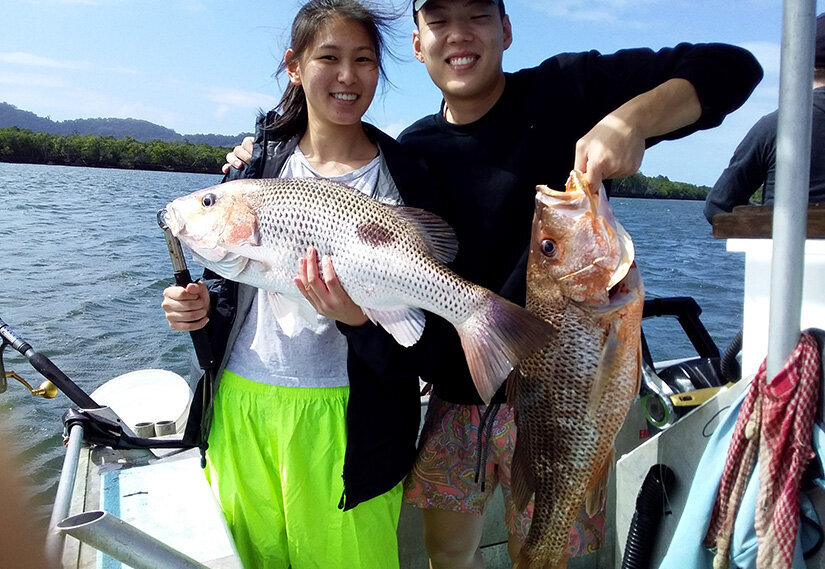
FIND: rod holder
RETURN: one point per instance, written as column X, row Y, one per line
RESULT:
column 124, row 542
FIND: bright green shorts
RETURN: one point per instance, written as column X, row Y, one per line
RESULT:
column 275, row 460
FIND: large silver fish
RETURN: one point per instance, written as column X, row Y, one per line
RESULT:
column 572, row 397
column 388, row 259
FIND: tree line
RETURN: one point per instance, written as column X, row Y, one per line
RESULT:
column 18, row 145
column 640, row 186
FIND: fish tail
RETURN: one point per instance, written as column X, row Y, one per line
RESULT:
column 496, row 337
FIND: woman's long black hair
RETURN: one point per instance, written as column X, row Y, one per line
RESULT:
column 291, row 112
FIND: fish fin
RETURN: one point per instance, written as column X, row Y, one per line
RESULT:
column 522, row 480
column 603, row 375
column 496, row 337
column 404, row 324
column 440, row 237
column 512, row 391
column 224, row 263
column 596, row 496
column 292, row 314
column 522, row 477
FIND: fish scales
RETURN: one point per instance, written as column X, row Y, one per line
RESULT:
column 390, row 260
column 363, row 239
column 571, row 398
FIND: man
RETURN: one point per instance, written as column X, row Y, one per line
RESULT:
column 496, row 136
column 753, row 164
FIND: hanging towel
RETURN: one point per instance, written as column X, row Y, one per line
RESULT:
column 686, row 549
column 776, row 423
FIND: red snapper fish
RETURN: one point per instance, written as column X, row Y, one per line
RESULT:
column 389, row 259
column 572, row 397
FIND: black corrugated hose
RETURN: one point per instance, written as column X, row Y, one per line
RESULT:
column 650, row 504
column 729, row 365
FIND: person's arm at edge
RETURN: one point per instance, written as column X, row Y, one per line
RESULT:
column 246, row 158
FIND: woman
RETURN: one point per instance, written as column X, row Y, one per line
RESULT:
column 311, row 435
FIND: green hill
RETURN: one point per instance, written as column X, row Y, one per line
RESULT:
column 140, row 130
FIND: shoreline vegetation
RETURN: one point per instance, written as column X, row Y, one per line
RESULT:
column 25, row 146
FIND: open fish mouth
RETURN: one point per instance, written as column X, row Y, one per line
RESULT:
column 579, row 199
column 172, row 220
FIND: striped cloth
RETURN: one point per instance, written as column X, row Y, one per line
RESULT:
column 774, row 425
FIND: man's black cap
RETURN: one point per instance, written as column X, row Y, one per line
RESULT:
column 418, row 4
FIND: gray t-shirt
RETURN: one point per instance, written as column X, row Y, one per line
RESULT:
column 313, row 357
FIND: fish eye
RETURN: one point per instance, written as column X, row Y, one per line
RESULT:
column 208, row 200
column 548, row 248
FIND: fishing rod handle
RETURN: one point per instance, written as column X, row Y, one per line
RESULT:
column 203, row 350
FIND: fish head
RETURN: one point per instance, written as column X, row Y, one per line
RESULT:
column 578, row 248
column 213, row 222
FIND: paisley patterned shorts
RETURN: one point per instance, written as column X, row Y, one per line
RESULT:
column 446, row 474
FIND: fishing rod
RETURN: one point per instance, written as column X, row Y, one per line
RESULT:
column 101, row 424
column 182, row 278
column 203, row 350
column 45, row 367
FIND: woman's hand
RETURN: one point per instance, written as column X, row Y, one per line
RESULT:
column 324, row 292
column 186, row 308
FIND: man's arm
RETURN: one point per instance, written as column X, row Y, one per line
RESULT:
column 614, row 148
column 648, row 96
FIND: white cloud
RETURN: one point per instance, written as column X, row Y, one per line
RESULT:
column 394, row 128
column 592, row 10
column 32, row 60
column 228, row 97
column 221, row 111
column 30, row 80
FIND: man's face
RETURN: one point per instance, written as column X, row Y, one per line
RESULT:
column 462, row 43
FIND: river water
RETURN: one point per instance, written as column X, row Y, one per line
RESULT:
column 83, row 265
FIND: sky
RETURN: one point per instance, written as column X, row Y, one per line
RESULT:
column 203, row 66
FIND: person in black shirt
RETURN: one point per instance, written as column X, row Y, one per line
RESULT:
column 496, row 136
column 753, row 164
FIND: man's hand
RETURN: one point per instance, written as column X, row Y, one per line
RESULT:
column 325, row 293
column 614, row 148
column 241, row 154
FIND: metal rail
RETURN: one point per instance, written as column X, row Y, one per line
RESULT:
column 793, row 158
column 63, row 499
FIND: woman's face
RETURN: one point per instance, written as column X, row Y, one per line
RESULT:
column 339, row 73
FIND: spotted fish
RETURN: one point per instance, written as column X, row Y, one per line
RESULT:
column 390, row 260
column 572, row 397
